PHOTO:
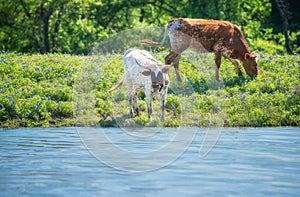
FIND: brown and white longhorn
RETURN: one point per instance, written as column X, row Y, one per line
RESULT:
column 219, row 37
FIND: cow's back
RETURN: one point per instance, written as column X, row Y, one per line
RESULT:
column 133, row 72
column 204, row 33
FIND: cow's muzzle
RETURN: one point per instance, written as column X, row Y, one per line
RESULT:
column 157, row 87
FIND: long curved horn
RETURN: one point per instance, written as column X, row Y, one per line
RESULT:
column 166, row 68
column 143, row 66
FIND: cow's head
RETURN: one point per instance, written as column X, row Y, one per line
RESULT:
column 250, row 64
column 158, row 74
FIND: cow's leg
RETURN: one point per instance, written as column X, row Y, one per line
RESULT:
column 131, row 115
column 149, row 106
column 173, row 57
column 236, row 65
column 218, row 57
column 162, row 106
column 136, row 105
column 130, row 94
column 176, row 67
column 149, row 110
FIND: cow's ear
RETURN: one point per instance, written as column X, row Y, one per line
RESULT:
column 166, row 68
column 146, row 72
column 254, row 53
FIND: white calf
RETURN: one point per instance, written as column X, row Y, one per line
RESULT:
column 144, row 72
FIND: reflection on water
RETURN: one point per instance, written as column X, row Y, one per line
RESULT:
column 244, row 162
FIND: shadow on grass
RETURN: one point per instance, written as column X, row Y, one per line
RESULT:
column 124, row 121
column 114, row 121
column 236, row 81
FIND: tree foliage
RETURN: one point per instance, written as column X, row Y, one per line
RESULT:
column 75, row 26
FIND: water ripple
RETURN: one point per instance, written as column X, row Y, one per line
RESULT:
column 244, row 162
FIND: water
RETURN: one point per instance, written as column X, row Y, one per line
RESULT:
column 244, row 162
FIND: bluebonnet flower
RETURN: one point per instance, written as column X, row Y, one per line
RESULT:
column 261, row 56
column 2, row 90
column 298, row 62
column 204, row 97
column 3, row 60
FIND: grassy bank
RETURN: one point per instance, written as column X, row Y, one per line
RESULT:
column 38, row 91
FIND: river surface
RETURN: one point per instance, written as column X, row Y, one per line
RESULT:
column 243, row 162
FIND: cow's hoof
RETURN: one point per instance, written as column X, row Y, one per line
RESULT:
column 131, row 115
column 137, row 111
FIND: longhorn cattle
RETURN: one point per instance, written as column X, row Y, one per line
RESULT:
column 220, row 37
column 144, row 72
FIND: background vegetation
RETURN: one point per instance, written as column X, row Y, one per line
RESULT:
column 76, row 26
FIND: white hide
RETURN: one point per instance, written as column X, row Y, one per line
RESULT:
column 136, row 81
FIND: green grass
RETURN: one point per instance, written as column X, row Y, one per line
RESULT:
column 64, row 90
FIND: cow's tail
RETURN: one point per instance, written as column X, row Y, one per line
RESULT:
column 118, row 85
column 157, row 44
